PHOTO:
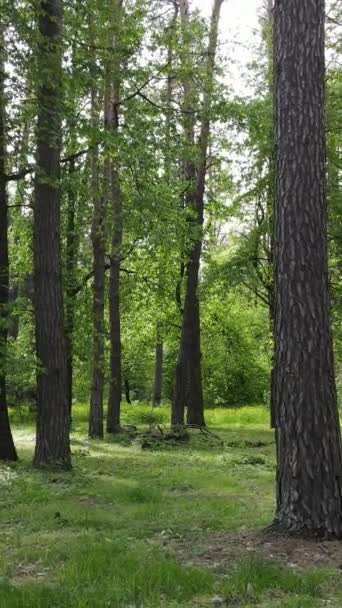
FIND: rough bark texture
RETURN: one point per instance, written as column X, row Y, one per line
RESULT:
column 7, row 449
column 98, row 241
column 97, row 384
column 52, row 444
column 188, row 386
column 158, row 371
column 71, row 252
column 309, row 448
column 115, row 381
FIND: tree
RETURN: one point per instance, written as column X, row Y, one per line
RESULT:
column 188, row 384
column 7, row 449
column 159, row 348
column 309, row 485
column 112, row 119
column 98, row 242
column 70, row 272
column 52, row 445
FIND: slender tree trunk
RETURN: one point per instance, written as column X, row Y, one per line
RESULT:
column 309, row 447
column 128, row 392
column 159, row 349
column 158, row 372
column 188, row 385
column 115, row 388
column 179, row 397
column 7, row 449
column 98, row 241
column 71, row 252
column 52, row 444
column 114, row 402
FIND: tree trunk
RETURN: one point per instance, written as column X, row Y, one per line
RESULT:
column 159, row 350
column 114, row 402
column 115, row 388
column 188, row 386
column 52, row 444
column 71, row 252
column 97, row 385
column 98, row 241
column 7, row 449
column 128, row 392
column 179, row 400
column 158, row 372
column 309, row 448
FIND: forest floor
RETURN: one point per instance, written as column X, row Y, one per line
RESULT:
column 156, row 527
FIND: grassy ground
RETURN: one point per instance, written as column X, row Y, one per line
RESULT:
column 147, row 528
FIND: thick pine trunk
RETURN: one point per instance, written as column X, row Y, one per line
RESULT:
column 52, row 444
column 158, row 371
column 309, row 448
column 7, row 449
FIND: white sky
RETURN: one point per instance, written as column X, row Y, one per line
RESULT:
column 238, row 24
column 235, row 13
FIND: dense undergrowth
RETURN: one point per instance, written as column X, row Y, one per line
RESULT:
column 124, row 528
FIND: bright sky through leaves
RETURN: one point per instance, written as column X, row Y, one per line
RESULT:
column 238, row 25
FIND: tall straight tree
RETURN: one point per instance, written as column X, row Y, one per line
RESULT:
column 52, row 445
column 7, row 449
column 115, row 379
column 188, row 386
column 189, row 171
column 159, row 348
column 98, row 242
column 70, row 272
column 309, row 481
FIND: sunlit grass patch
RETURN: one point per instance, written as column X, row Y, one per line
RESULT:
column 254, row 577
column 102, row 534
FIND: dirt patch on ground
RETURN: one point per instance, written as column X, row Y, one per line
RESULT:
column 29, row 571
column 218, row 551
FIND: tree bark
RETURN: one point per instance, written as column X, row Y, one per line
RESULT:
column 115, row 386
column 71, row 252
column 309, row 447
column 52, row 443
column 7, row 449
column 98, row 242
column 158, row 372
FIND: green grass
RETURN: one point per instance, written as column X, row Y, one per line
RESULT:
column 123, row 527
